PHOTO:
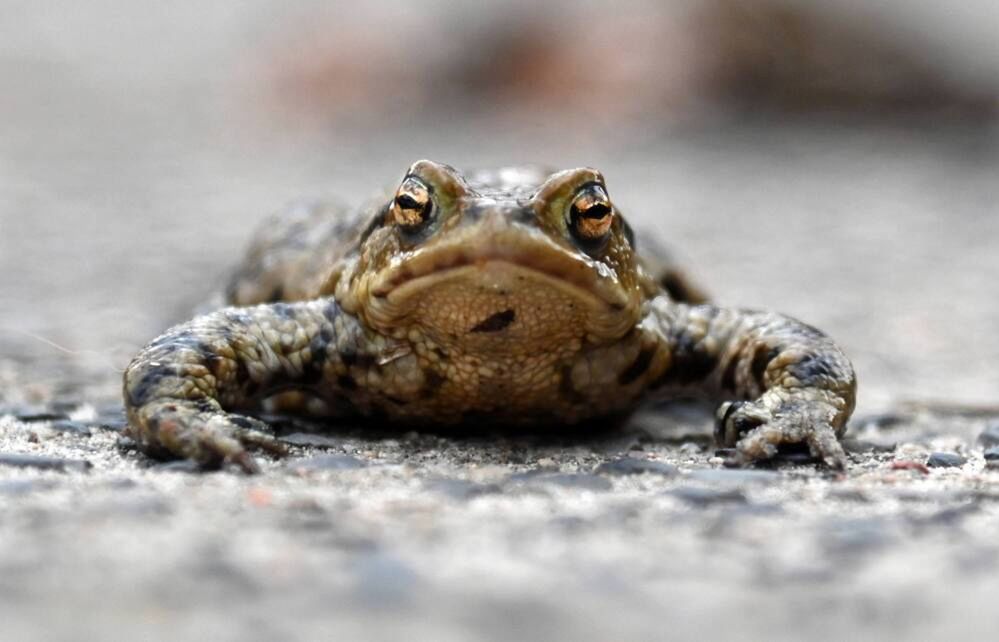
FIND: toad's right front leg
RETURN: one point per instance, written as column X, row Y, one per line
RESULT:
column 180, row 390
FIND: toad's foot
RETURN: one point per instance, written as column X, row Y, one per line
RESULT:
column 757, row 428
column 208, row 436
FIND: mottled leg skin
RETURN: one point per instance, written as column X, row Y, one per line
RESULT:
column 180, row 389
column 780, row 381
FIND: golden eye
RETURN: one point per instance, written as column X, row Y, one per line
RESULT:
column 413, row 205
column 591, row 214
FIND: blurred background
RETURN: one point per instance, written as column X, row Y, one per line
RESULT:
column 835, row 161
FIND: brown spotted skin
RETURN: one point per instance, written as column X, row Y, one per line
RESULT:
column 514, row 295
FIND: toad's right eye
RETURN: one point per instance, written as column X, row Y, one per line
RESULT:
column 413, row 206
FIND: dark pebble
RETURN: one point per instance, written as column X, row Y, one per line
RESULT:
column 885, row 420
column 633, row 466
column 990, row 436
column 31, row 417
column 72, row 427
column 312, row 440
column 462, row 489
column 945, row 460
column 701, row 496
column 19, row 460
column 326, row 462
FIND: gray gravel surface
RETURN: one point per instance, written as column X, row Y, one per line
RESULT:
column 129, row 183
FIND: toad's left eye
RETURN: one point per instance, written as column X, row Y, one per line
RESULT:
column 413, row 205
column 591, row 214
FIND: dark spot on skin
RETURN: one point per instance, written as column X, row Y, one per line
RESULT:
column 432, row 382
column 812, row 368
column 331, row 311
column 691, row 363
column 276, row 294
column 497, row 322
column 346, row 382
column 728, row 377
column 761, row 359
column 312, row 372
column 679, row 289
column 637, row 367
column 441, row 354
column 145, row 389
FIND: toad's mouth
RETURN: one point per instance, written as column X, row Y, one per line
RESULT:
column 534, row 256
column 482, row 285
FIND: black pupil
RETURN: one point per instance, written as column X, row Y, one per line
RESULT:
column 597, row 210
column 407, row 202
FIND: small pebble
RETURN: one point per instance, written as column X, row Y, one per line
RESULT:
column 701, row 496
column 462, row 489
column 945, row 460
column 633, row 466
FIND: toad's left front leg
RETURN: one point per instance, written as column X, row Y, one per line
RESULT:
column 780, row 381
